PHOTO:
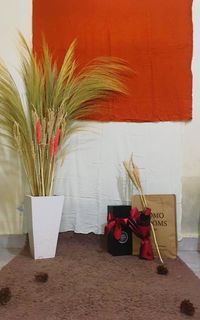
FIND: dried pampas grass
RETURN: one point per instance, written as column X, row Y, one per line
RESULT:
column 38, row 125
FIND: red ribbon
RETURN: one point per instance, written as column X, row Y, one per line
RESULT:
column 142, row 229
column 116, row 223
column 146, row 251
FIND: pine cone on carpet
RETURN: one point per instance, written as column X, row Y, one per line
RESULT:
column 41, row 277
column 161, row 269
column 5, row 295
column 187, row 307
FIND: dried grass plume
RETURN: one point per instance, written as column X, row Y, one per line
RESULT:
column 37, row 125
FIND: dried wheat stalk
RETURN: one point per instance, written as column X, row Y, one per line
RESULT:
column 134, row 175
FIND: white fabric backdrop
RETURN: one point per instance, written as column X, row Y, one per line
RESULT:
column 93, row 175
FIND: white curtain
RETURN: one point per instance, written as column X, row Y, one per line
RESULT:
column 92, row 176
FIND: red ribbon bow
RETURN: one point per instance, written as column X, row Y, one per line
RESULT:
column 139, row 223
column 116, row 223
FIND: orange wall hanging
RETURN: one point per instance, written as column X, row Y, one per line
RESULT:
column 153, row 36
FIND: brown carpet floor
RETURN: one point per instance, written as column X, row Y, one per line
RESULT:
column 85, row 282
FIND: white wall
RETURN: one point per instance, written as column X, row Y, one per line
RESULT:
column 191, row 143
column 14, row 15
column 92, row 175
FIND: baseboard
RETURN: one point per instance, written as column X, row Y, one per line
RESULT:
column 16, row 241
column 189, row 244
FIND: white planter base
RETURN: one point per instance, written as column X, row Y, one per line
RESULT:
column 43, row 217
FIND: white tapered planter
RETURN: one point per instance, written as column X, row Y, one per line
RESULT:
column 43, row 218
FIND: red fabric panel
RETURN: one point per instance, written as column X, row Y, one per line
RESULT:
column 154, row 36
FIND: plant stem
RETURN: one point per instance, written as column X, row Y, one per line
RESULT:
column 156, row 243
column 41, row 169
column 52, row 176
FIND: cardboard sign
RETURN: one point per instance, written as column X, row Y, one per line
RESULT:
column 163, row 218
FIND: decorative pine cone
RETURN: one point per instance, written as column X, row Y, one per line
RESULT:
column 161, row 269
column 5, row 295
column 41, row 277
column 187, row 307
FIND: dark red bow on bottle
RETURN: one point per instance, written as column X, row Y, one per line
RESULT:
column 139, row 223
column 116, row 223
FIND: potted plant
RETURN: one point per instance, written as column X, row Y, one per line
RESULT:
column 38, row 124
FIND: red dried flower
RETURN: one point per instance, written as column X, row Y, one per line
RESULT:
column 38, row 132
column 57, row 136
column 55, row 143
column 57, row 139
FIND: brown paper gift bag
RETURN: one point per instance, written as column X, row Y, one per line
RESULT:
column 163, row 218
